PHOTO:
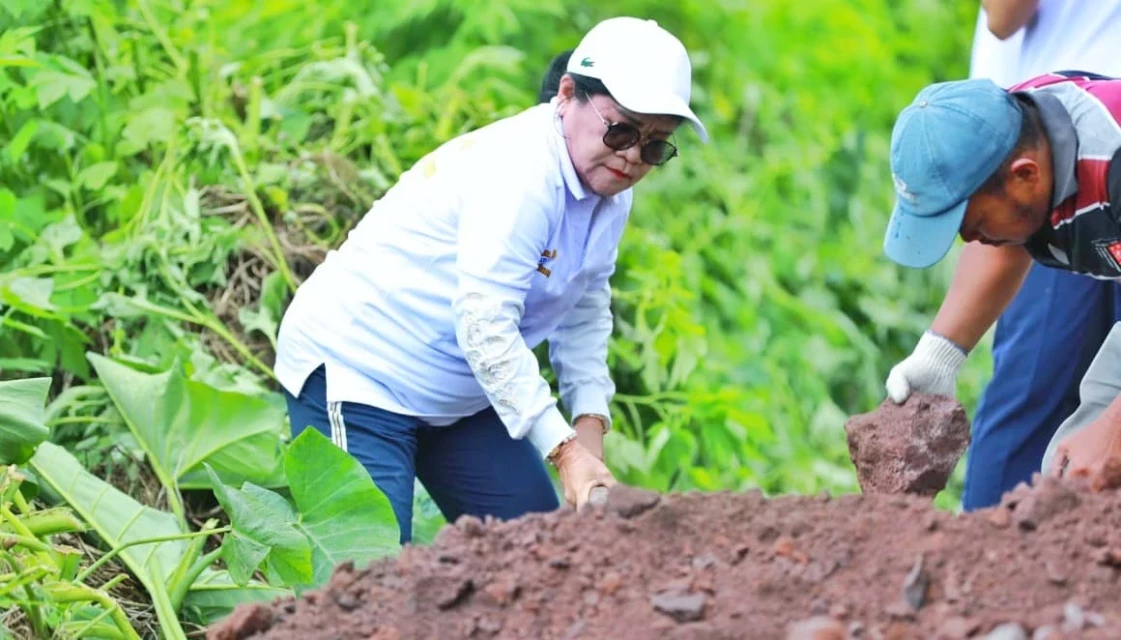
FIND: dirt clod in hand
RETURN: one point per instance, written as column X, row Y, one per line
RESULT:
column 737, row 565
column 908, row 448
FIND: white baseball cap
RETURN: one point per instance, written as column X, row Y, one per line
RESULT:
column 645, row 67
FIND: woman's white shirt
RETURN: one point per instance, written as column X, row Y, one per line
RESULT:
column 484, row 249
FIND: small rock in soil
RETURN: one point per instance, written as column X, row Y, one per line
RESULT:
column 818, row 628
column 502, row 590
column 1046, row 500
column 915, row 585
column 609, row 583
column 631, row 502
column 1008, row 631
column 908, row 448
column 1055, row 574
column 471, row 526
column 452, row 592
column 560, row 562
column 999, row 517
column 346, row 601
column 682, row 608
column 575, row 630
column 1075, row 618
column 702, row 562
column 489, row 625
column 957, row 628
column 386, row 633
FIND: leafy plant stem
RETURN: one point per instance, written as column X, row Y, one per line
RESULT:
column 64, row 592
column 266, row 226
column 210, row 323
column 24, row 581
column 115, row 551
column 161, row 35
column 165, row 610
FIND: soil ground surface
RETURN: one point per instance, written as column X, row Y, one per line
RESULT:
column 1044, row 564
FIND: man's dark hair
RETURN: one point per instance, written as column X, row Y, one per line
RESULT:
column 1031, row 132
column 585, row 86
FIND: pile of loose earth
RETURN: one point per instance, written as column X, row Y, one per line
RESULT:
column 1044, row 564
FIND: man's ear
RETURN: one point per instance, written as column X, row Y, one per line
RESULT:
column 1025, row 169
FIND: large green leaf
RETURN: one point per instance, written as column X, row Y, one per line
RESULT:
column 29, row 295
column 22, row 405
column 118, row 520
column 345, row 516
column 264, row 531
column 115, row 516
column 181, row 423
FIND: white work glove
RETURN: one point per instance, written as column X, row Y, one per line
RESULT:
column 931, row 368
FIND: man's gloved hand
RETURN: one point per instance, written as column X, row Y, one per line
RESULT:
column 931, row 368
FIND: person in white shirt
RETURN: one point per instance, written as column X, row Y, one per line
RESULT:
column 411, row 345
column 1050, row 331
column 997, row 59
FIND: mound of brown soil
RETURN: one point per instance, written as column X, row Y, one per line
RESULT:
column 1045, row 564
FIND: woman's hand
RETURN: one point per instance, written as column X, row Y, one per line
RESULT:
column 580, row 471
column 1090, row 453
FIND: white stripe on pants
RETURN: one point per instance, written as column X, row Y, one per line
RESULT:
column 338, row 425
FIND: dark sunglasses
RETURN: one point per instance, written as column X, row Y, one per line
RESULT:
column 621, row 136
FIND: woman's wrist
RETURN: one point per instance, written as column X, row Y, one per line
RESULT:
column 587, row 419
column 555, row 454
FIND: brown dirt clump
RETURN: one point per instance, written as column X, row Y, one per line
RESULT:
column 908, row 448
column 1043, row 564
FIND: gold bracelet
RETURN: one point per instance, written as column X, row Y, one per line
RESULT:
column 553, row 454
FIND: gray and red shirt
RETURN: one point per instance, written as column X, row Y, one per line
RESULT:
column 1081, row 114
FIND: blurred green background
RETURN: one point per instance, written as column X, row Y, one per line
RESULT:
column 171, row 168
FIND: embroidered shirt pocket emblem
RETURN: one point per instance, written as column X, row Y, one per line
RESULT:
column 547, row 255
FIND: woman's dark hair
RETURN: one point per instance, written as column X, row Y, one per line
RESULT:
column 550, row 84
column 585, row 86
column 1031, row 131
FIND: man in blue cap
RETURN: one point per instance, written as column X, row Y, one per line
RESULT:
column 1048, row 334
column 1021, row 174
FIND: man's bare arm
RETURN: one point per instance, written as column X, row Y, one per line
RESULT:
column 985, row 281
column 1006, row 17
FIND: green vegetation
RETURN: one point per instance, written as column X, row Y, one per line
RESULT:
column 170, row 170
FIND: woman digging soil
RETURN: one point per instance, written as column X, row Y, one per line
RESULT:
column 411, row 345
